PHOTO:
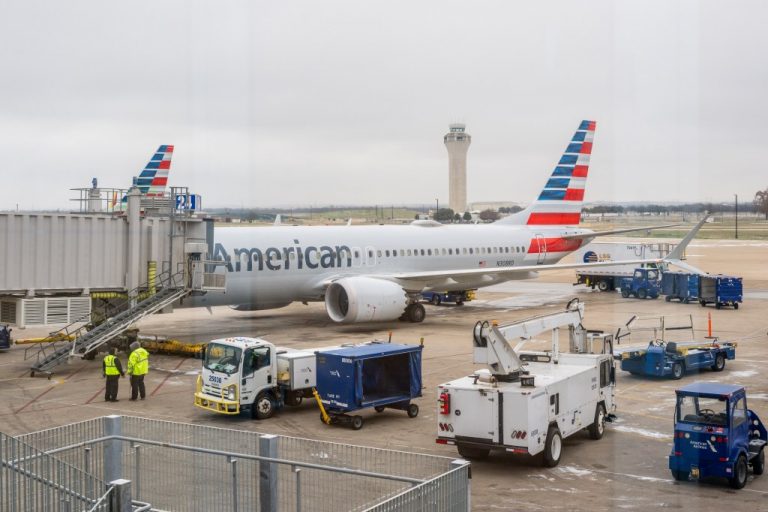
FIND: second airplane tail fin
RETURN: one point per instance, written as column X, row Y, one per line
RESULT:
column 562, row 197
column 154, row 177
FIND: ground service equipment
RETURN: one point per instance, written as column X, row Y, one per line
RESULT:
column 528, row 402
column 609, row 278
column 671, row 359
column 644, row 283
column 683, row 286
column 253, row 376
column 378, row 374
column 716, row 435
column 459, row 297
column 5, row 337
column 720, row 290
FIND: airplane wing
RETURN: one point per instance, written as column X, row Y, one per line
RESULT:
column 437, row 278
column 615, row 232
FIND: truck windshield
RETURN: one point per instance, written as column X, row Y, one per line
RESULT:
column 702, row 410
column 222, row 358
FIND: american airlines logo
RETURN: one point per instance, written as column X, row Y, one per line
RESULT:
column 283, row 258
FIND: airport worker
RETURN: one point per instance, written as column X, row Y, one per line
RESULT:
column 112, row 370
column 138, row 367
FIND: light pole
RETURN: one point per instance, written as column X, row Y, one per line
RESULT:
column 437, row 207
column 736, row 203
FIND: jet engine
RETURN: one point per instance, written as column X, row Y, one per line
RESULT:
column 364, row 299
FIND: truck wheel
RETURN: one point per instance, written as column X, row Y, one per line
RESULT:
column 413, row 410
column 379, row 408
column 553, row 448
column 602, row 286
column 758, row 463
column 642, row 293
column 357, row 422
column 677, row 371
column 597, row 428
column 680, row 476
column 624, row 293
column 471, row 452
column 739, row 478
column 264, row 406
column 719, row 363
column 459, row 302
column 435, row 300
column 416, row 313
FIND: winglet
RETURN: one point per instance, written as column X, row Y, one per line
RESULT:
column 677, row 252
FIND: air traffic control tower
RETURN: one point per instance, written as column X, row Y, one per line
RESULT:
column 457, row 141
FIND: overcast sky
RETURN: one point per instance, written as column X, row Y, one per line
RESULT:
column 307, row 102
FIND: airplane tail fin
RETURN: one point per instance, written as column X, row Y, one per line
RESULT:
column 562, row 197
column 154, row 177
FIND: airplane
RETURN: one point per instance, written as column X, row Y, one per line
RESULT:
column 377, row 273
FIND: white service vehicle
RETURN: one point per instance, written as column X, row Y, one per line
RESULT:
column 253, row 375
column 528, row 402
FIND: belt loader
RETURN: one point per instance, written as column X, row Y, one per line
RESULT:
column 527, row 402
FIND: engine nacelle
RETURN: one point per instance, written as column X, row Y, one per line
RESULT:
column 364, row 299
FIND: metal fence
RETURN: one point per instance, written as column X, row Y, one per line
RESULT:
column 184, row 467
column 31, row 480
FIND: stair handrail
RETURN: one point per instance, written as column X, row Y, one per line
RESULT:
column 163, row 280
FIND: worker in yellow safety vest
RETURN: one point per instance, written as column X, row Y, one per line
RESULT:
column 138, row 367
column 112, row 371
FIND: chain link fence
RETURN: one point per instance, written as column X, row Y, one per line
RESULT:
column 184, row 467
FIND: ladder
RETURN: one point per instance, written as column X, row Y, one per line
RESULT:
column 86, row 341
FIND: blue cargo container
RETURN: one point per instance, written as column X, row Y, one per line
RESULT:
column 670, row 359
column 379, row 375
column 720, row 290
column 682, row 286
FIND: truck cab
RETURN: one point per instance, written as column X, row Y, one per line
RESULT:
column 644, row 283
column 716, row 435
column 252, row 375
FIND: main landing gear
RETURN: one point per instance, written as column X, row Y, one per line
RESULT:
column 414, row 313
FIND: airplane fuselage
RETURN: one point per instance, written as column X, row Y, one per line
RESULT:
column 269, row 267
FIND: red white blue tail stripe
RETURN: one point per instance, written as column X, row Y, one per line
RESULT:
column 154, row 177
column 561, row 199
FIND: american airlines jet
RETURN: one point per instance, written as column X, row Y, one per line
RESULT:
column 377, row 273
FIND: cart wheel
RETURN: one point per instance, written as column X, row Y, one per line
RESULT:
column 739, row 478
column 719, row 363
column 668, row 298
column 758, row 463
column 680, row 475
column 435, row 300
column 677, row 371
column 735, row 305
column 602, row 285
column 357, row 422
column 718, row 305
column 703, row 303
column 413, row 410
column 642, row 293
column 686, row 300
column 379, row 408
column 624, row 293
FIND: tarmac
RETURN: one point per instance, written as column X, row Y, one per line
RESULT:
column 626, row 470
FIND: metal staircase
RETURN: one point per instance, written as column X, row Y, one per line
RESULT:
column 172, row 288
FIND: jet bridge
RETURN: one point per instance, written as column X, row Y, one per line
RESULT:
column 56, row 265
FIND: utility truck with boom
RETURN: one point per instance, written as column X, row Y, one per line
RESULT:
column 527, row 402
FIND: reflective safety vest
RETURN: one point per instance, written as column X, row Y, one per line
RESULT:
column 110, row 368
column 138, row 362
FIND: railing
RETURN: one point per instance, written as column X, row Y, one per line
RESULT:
column 31, row 480
column 185, row 467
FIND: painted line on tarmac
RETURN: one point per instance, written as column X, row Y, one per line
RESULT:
column 17, row 411
column 168, row 377
column 100, row 391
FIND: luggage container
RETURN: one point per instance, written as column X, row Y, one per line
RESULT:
column 720, row 290
column 683, row 286
column 375, row 375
